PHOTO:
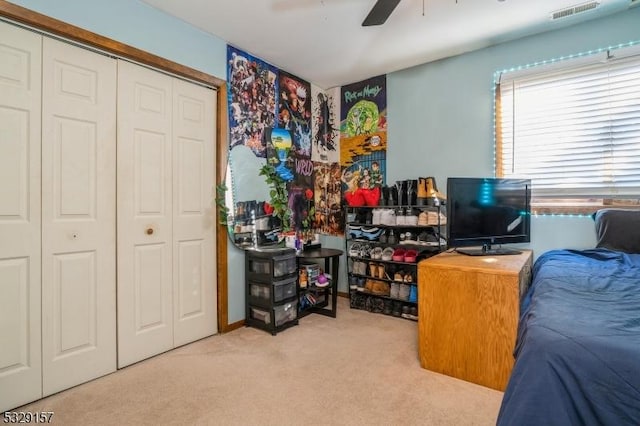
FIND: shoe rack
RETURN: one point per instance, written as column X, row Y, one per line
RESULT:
column 384, row 244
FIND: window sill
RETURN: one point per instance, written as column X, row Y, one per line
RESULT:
column 581, row 209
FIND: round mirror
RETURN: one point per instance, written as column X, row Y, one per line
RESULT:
column 247, row 191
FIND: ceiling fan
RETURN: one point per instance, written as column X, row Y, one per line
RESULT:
column 380, row 12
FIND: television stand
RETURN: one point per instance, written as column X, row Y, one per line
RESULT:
column 487, row 250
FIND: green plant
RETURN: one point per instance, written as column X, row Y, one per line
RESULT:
column 310, row 211
column 279, row 195
column 223, row 210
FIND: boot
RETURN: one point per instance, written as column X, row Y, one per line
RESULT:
column 393, row 196
column 423, row 195
column 384, row 199
column 401, row 186
column 373, row 270
column 435, row 197
column 412, row 193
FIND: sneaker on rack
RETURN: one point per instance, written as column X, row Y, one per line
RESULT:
column 353, row 282
column 413, row 313
column 387, row 254
column 411, row 218
column 423, row 219
column 377, row 217
column 371, row 233
column 413, row 294
column 398, row 254
column 400, row 217
column 397, row 308
column 388, row 217
column 405, row 312
column 376, row 253
column 432, row 218
column 405, row 289
column 355, row 231
column 388, row 307
column 354, row 250
column 394, row 290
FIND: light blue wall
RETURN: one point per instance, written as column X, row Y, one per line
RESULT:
column 440, row 112
column 140, row 25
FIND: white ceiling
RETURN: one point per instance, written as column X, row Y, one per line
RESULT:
column 323, row 42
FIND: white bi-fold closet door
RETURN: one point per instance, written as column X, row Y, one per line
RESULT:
column 57, row 216
column 20, row 236
column 166, row 213
column 58, row 211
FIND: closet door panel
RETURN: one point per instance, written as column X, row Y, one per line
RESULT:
column 78, row 213
column 145, row 297
column 194, row 213
column 20, row 220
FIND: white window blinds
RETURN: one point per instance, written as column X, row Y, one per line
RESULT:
column 574, row 131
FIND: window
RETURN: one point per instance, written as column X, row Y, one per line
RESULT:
column 573, row 127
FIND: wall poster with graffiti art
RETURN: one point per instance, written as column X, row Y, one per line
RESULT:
column 325, row 125
column 363, row 140
column 252, row 99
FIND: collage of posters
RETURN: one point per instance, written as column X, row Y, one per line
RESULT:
column 337, row 137
column 251, row 98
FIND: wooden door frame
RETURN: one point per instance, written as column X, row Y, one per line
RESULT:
column 48, row 25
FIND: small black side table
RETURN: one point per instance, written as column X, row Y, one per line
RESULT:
column 331, row 263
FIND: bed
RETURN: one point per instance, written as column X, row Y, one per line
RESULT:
column 577, row 354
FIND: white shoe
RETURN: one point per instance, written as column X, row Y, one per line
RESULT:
column 377, row 217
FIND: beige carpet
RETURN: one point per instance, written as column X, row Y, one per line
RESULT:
column 358, row 369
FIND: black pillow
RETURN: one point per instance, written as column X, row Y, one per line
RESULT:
column 618, row 229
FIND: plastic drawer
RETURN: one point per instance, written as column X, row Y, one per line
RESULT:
column 261, row 292
column 285, row 289
column 279, row 315
column 262, row 315
column 285, row 312
column 265, row 266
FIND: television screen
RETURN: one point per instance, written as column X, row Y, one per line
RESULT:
column 487, row 211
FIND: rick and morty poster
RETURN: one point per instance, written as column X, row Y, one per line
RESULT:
column 363, row 133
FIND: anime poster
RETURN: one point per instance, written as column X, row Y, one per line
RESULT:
column 297, row 172
column 294, row 111
column 301, row 194
column 325, row 126
column 252, row 99
column 327, row 196
column 363, row 134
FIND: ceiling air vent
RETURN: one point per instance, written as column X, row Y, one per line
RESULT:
column 574, row 10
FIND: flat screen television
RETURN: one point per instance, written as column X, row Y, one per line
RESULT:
column 484, row 212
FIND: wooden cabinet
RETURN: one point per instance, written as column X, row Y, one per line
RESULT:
column 468, row 318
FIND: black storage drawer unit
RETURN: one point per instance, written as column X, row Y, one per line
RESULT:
column 271, row 281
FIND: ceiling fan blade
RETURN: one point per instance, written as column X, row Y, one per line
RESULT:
column 380, row 12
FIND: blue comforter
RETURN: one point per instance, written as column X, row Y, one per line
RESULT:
column 578, row 345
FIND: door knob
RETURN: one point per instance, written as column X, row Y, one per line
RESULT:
column 149, row 231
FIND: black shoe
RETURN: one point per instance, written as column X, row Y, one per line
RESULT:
column 397, row 309
column 388, row 307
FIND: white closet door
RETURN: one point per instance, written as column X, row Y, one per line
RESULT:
column 194, row 219
column 78, row 215
column 145, row 297
column 20, row 97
